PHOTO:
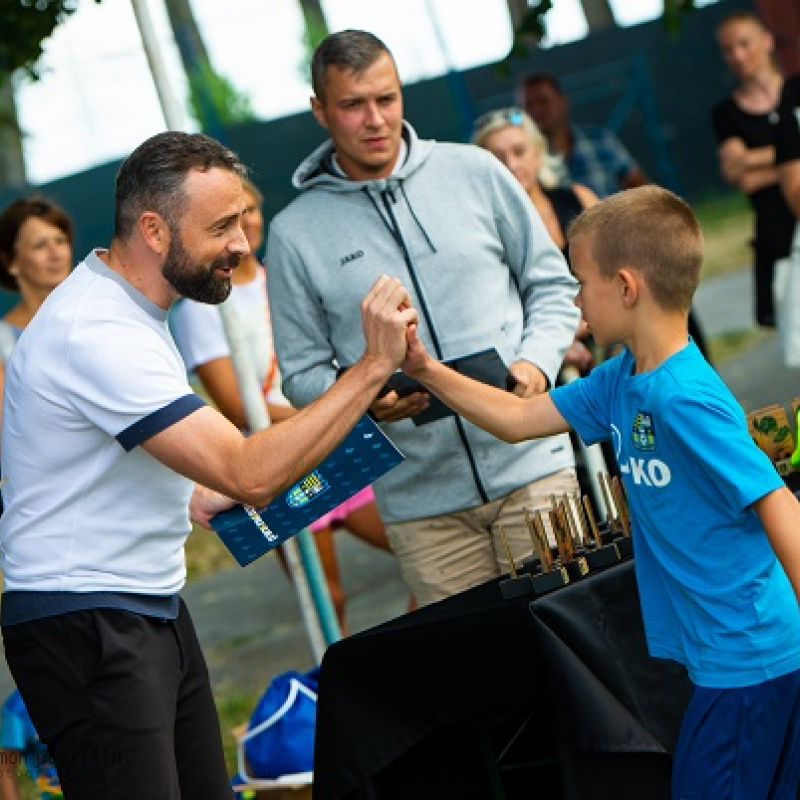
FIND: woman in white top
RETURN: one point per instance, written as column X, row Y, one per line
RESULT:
column 35, row 256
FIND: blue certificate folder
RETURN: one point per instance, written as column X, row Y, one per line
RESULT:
column 364, row 455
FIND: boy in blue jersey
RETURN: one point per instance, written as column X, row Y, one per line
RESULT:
column 716, row 532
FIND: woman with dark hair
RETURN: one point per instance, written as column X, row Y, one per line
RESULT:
column 35, row 256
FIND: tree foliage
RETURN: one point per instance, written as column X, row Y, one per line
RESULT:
column 315, row 29
column 24, row 26
column 214, row 100
column 533, row 25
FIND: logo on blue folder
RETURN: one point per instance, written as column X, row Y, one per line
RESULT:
column 306, row 490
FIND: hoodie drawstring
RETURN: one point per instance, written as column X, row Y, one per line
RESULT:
column 390, row 221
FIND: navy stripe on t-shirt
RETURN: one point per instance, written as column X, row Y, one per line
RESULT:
column 159, row 421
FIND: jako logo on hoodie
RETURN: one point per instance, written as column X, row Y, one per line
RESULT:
column 352, row 257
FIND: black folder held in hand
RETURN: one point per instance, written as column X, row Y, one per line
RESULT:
column 485, row 366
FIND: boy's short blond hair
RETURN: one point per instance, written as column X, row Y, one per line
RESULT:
column 651, row 230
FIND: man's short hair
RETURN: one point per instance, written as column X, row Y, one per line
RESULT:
column 651, row 230
column 153, row 177
column 351, row 50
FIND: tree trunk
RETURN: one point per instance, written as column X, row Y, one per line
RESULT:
column 599, row 15
column 197, row 65
column 12, row 161
column 187, row 35
column 516, row 10
column 316, row 29
column 313, row 15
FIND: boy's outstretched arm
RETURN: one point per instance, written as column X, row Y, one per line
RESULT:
column 779, row 512
column 502, row 414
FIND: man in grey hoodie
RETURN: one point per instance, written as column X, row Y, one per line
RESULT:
column 453, row 224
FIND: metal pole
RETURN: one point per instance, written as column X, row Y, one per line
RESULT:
column 300, row 552
column 173, row 113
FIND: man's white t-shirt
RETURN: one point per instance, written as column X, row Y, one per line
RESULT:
column 94, row 375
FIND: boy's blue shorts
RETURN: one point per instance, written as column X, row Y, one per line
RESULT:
column 740, row 744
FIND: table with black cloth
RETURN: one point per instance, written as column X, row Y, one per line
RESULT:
column 480, row 697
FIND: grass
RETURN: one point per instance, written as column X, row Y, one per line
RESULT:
column 727, row 224
column 205, row 554
column 728, row 345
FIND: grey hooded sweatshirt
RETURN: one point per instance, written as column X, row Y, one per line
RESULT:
column 456, row 228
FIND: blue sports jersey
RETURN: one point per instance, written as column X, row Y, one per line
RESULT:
column 714, row 595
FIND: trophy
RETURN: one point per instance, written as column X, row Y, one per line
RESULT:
column 616, row 528
column 518, row 584
column 568, row 541
column 540, row 573
column 623, row 538
column 598, row 554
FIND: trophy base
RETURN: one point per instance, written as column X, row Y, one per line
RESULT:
column 577, row 568
column 516, row 587
column 548, row 581
column 604, row 556
column 625, row 546
column 530, row 566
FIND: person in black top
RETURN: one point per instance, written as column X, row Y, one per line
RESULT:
column 745, row 124
column 787, row 150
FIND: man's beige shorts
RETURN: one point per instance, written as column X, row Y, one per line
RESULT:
column 441, row 556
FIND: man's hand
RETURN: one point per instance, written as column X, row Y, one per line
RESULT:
column 530, row 379
column 386, row 313
column 206, row 503
column 391, row 407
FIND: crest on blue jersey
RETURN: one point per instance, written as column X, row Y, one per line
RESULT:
column 303, row 492
column 644, row 431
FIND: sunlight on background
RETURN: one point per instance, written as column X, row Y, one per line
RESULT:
column 96, row 100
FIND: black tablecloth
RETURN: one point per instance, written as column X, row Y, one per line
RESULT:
column 560, row 691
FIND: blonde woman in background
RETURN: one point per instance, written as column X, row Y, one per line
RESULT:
column 513, row 137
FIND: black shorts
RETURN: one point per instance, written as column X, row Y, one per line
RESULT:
column 123, row 703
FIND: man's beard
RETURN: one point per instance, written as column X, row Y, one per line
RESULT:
column 194, row 281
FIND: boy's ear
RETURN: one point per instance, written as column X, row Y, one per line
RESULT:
column 629, row 287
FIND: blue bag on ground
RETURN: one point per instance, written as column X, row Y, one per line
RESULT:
column 280, row 736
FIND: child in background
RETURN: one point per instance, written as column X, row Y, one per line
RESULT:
column 716, row 532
